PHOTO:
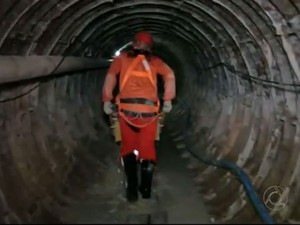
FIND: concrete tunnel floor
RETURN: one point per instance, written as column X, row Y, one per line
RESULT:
column 174, row 194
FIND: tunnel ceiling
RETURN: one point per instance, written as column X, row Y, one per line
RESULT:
column 228, row 49
column 257, row 37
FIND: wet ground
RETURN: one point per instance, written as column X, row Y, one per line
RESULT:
column 175, row 197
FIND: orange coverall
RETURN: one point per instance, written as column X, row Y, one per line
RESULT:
column 141, row 139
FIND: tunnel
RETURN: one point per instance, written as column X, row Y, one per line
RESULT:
column 236, row 64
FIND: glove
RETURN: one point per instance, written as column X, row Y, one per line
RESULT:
column 167, row 107
column 107, row 108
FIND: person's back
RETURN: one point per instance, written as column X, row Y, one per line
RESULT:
column 140, row 86
column 138, row 108
column 136, row 86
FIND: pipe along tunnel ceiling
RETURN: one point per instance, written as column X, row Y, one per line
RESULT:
column 237, row 73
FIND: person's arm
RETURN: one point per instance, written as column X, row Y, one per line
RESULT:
column 111, row 79
column 169, row 80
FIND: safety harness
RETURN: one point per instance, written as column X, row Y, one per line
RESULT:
column 133, row 108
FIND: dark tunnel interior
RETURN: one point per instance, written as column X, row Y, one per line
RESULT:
column 237, row 72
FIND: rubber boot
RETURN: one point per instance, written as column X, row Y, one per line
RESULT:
column 130, row 168
column 147, row 170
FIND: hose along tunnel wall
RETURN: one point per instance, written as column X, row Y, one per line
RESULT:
column 237, row 69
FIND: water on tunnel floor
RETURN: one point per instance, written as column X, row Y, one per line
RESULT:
column 174, row 193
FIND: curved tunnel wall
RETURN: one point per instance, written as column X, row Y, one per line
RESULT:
column 227, row 49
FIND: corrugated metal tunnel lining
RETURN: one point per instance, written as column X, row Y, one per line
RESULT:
column 53, row 133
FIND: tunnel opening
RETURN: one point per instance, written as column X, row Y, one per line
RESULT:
column 237, row 74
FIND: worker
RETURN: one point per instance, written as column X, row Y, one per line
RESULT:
column 138, row 108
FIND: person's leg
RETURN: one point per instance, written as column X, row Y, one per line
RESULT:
column 129, row 137
column 128, row 145
column 146, row 138
column 147, row 157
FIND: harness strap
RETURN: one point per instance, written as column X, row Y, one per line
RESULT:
column 129, row 70
column 122, row 110
column 136, row 114
column 138, row 101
